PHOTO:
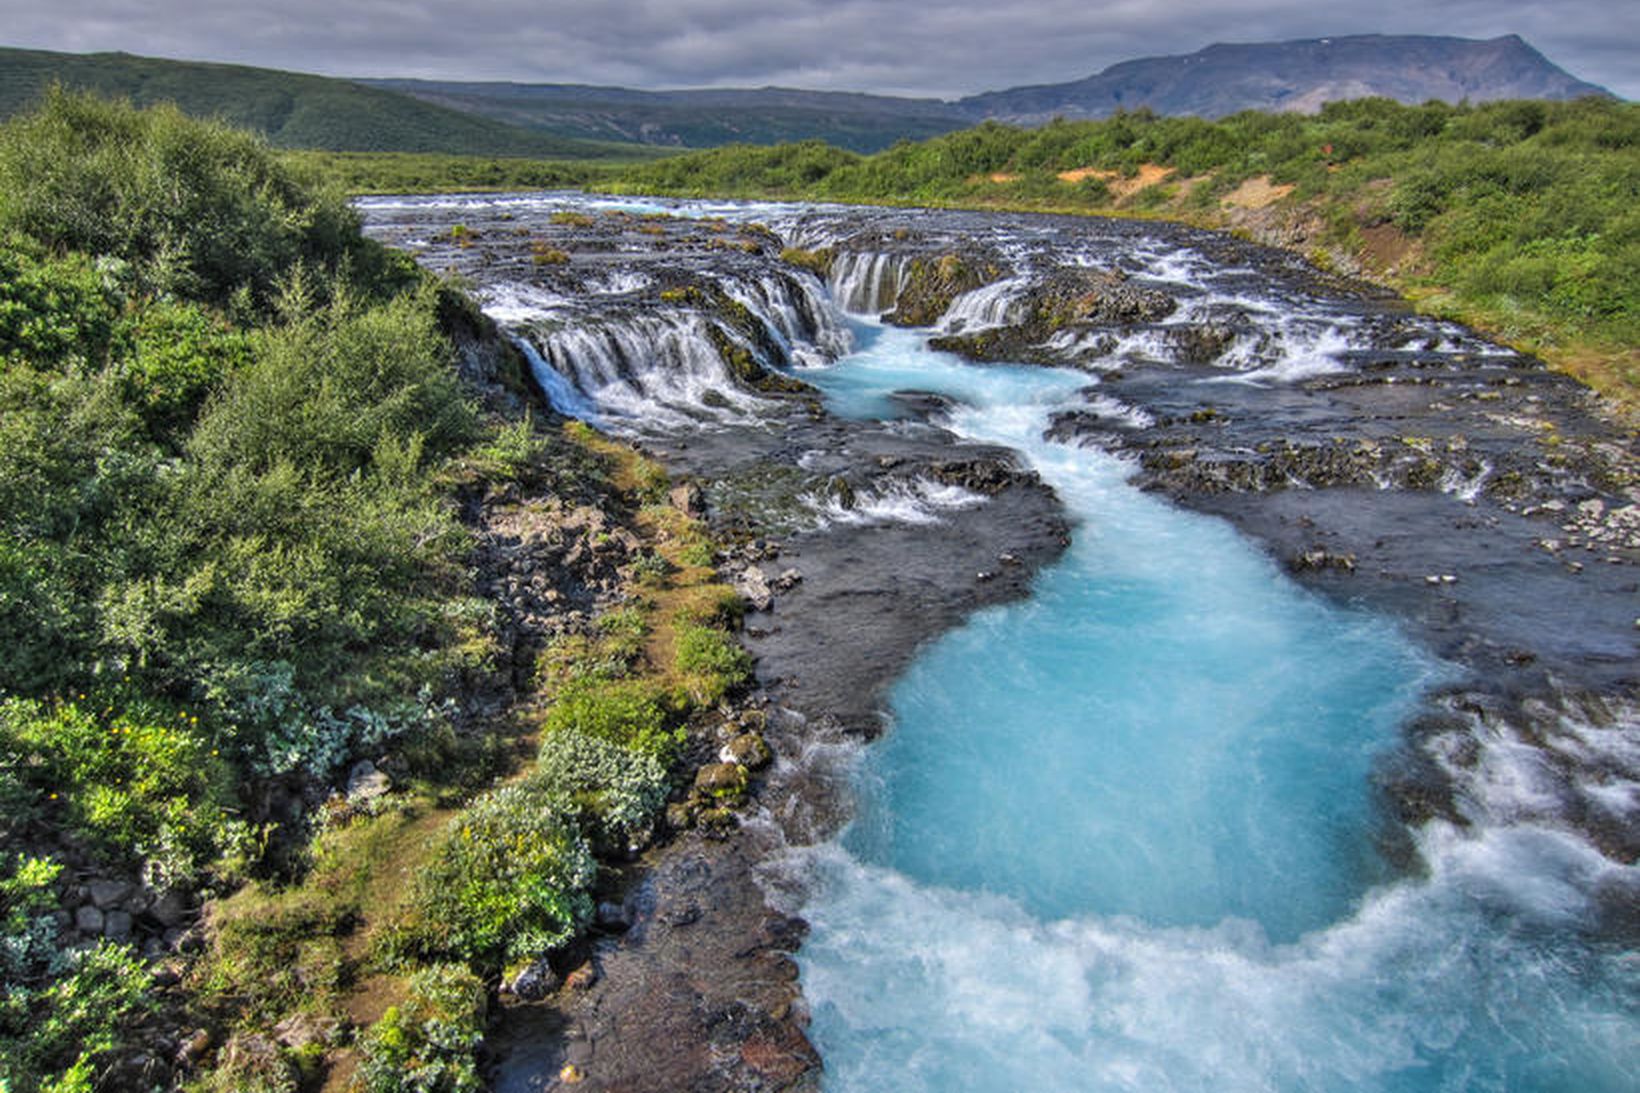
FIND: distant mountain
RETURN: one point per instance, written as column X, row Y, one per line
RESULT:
column 574, row 121
column 1300, row 76
column 293, row 110
column 695, row 119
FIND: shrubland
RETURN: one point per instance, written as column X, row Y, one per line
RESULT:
column 234, row 453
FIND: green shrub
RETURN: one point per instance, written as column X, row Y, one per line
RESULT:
column 634, row 713
column 324, row 391
column 54, row 312
column 429, row 1044
column 54, row 1031
column 179, row 353
column 614, row 791
column 712, row 661
column 200, row 210
column 508, row 881
column 141, row 783
column 76, row 469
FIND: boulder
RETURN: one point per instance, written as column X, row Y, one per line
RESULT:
column 748, row 750
column 89, row 919
column 366, row 783
column 721, row 780
column 117, row 925
column 105, row 892
column 688, row 500
column 753, row 587
column 535, row 981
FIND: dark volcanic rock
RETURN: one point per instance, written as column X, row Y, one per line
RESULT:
column 1066, row 301
column 931, row 282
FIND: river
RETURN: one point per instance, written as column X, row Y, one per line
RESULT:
column 1137, row 831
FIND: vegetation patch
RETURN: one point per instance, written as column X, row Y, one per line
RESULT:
column 236, row 470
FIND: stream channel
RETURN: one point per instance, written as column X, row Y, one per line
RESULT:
column 1146, row 828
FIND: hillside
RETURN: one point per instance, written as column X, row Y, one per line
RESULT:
column 694, row 119
column 1213, row 82
column 1299, row 76
column 291, row 109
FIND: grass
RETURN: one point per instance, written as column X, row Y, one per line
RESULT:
column 360, row 173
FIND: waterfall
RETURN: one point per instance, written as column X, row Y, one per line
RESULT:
column 642, row 369
column 867, row 284
column 993, row 305
column 663, row 368
column 799, row 317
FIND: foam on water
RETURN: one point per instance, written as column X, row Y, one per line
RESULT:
column 914, row 501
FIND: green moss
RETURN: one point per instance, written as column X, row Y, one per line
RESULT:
column 817, row 262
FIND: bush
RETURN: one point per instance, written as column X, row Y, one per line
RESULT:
column 326, row 390
column 613, row 791
column 74, row 462
column 429, row 1044
column 508, row 881
column 54, row 1032
column 54, row 312
column 179, row 353
column 140, row 783
column 633, row 713
column 200, row 210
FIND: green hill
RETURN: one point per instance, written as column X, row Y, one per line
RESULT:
column 695, row 119
column 293, row 110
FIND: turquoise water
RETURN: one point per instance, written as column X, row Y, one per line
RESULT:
column 1121, row 836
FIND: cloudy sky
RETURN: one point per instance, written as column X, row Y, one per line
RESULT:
column 944, row 48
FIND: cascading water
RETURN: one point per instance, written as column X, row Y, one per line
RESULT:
column 798, row 315
column 867, row 284
column 993, row 305
column 661, row 369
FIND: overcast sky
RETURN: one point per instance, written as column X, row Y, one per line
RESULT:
column 943, row 48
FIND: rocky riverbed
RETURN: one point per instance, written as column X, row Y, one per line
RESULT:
column 1387, row 460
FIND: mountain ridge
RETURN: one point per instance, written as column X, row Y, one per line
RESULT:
column 290, row 109
column 556, row 120
column 1227, row 77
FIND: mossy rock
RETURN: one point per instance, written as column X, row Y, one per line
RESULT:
column 817, row 262
column 721, row 781
column 932, row 283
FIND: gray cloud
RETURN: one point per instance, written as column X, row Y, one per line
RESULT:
column 890, row 46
